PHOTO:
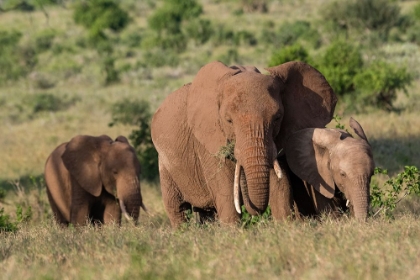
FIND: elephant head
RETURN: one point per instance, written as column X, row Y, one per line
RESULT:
column 99, row 164
column 329, row 158
column 257, row 112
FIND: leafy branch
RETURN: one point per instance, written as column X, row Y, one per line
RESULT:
column 395, row 189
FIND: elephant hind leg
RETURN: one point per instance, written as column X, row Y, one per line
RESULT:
column 58, row 216
column 172, row 198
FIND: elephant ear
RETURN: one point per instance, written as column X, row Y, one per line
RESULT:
column 82, row 158
column 308, row 99
column 203, row 105
column 308, row 155
column 358, row 129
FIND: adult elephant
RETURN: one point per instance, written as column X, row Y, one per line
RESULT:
column 331, row 161
column 93, row 178
column 226, row 106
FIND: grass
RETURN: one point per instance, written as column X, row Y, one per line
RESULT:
column 295, row 250
column 327, row 249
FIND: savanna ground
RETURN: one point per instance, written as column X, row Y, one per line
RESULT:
column 313, row 249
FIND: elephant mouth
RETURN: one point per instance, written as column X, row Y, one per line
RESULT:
column 237, row 186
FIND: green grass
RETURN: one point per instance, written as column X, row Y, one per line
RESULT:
column 331, row 249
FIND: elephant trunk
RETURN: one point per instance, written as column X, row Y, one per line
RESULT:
column 359, row 198
column 255, row 174
column 130, row 199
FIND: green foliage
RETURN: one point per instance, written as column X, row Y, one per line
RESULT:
column 13, row 59
column 377, row 16
column 248, row 220
column 99, row 15
column 227, row 152
column 44, row 40
column 137, row 113
column 171, row 15
column 289, row 53
column 159, row 57
column 416, row 12
column 380, row 82
column 254, row 6
column 394, row 189
column 339, row 64
column 231, row 56
column 46, row 102
column 176, row 22
column 291, row 32
column 6, row 225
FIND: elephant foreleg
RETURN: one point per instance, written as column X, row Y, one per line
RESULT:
column 112, row 211
column 172, row 198
column 80, row 205
column 281, row 196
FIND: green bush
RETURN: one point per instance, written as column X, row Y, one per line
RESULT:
column 385, row 199
column 289, row 53
column 99, row 15
column 380, row 82
column 377, row 16
column 47, row 102
column 339, row 64
column 12, row 64
column 416, row 12
column 291, row 32
column 175, row 23
column 44, row 40
column 137, row 113
column 159, row 58
column 6, row 225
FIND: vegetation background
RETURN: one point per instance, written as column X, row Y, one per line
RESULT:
column 103, row 67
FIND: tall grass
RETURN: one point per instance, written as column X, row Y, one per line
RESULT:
column 293, row 250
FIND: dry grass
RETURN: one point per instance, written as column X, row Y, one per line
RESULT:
column 308, row 250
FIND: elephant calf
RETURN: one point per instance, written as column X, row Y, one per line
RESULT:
column 329, row 158
column 93, row 179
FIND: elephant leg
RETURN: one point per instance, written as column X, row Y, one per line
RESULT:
column 112, row 211
column 81, row 202
column 56, row 212
column 281, row 196
column 172, row 198
column 226, row 211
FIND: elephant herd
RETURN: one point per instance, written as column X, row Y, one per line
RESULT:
column 282, row 155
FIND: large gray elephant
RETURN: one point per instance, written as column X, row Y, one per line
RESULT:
column 93, row 179
column 226, row 106
column 327, row 159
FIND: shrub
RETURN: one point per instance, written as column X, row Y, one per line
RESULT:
column 137, row 113
column 290, row 32
column 176, row 22
column 377, row 16
column 44, row 40
column 11, row 65
column 47, row 102
column 339, row 64
column 395, row 189
column 289, row 53
column 98, row 15
column 380, row 82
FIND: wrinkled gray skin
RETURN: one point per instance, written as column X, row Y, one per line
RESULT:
column 93, row 179
column 330, row 158
column 235, row 104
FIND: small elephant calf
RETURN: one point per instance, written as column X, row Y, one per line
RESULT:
column 327, row 159
column 94, row 179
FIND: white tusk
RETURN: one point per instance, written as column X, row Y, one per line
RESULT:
column 236, row 188
column 122, row 206
column 347, row 203
column 277, row 168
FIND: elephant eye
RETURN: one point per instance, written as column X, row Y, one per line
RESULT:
column 114, row 171
column 229, row 120
column 343, row 174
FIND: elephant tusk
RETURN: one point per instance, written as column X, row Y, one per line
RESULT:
column 236, row 188
column 347, row 203
column 124, row 211
column 277, row 168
